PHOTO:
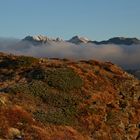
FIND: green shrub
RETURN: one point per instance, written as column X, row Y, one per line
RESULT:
column 38, row 88
column 19, row 88
column 59, row 117
column 46, row 93
column 37, row 74
column 65, row 103
column 40, row 115
column 22, row 61
column 25, row 61
column 55, row 116
column 64, row 79
column 8, row 63
column 61, row 78
column 34, row 88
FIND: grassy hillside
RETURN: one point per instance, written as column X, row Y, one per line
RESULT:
column 53, row 99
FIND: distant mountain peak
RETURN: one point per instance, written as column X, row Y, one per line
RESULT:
column 76, row 40
column 119, row 41
column 40, row 39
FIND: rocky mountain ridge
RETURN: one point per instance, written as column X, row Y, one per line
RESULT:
column 40, row 39
column 79, row 40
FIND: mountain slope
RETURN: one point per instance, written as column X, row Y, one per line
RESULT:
column 49, row 99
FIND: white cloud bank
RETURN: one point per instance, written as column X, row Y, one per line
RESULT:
column 127, row 57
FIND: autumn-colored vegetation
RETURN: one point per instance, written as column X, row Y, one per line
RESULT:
column 53, row 99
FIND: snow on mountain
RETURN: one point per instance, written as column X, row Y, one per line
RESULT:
column 78, row 40
column 39, row 39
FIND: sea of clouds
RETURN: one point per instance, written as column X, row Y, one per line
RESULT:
column 127, row 57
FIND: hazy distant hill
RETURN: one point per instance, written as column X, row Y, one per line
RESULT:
column 119, row 41
column 60, row 99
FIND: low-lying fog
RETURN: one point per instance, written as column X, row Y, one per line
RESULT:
column 127, row 57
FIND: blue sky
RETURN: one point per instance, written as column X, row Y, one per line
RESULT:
column 96, row 19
